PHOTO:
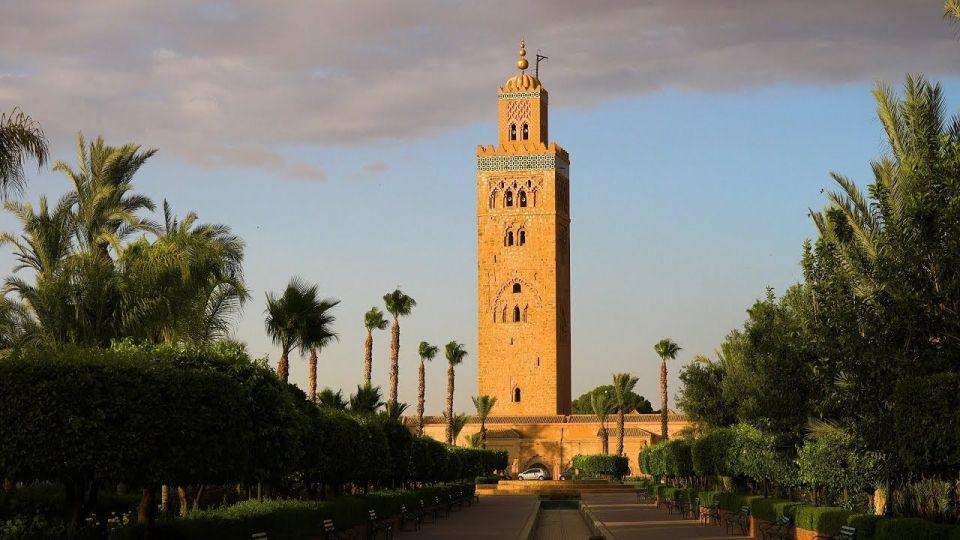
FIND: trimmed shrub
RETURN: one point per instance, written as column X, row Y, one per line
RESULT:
column 865, row 524
column 601, row 465
column 836, row 462
column 822, row 519
column 770, row 509
column 710, row 454
column 677, row 460
column 912, row 529
column 709, row 498
column 731, row 502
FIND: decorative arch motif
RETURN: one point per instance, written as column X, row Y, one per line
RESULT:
column 529, row 291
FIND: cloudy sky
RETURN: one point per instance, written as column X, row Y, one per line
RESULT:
column 337, row 138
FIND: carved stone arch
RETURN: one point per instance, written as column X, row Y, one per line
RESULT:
column 494, row 195
column 529, row 291
column 537, row 461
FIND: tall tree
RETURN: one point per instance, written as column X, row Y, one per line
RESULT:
column 951, row 9
column 484, row 405
column 316, row 333
column 455, row 424
column 427, row 352
column 20, row 138
column 667, row 350
column 399, row 305
column 372, row 320
column 455, row 354
column 602, row 405
column 623, row 384
column 290, row 313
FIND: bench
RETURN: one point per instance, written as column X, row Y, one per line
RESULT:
column 846, row 533
column 779, row 530
column 329, row 531
column 451, row 500
column 441, row 507
column 407, row 516
column 426, row 511
column 710, row 513
column 691, row 509
column 740, row 519
column 376, row 526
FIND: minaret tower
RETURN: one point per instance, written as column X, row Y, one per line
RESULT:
column 523, row 257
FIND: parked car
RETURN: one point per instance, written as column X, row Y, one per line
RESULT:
column 568, row 474
column 535, row 473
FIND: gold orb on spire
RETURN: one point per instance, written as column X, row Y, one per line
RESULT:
column 522, row 62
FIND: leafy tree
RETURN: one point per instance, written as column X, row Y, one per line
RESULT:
column 455, row 354
column 635, row 403
column 484, row 404
column 399, row 305
column 427, row 353
column 702, row 397
column 20, row 138
column 667, row 350
column 623, row 384
column 372, row 320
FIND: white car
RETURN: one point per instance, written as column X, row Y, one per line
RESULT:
column 535, row 473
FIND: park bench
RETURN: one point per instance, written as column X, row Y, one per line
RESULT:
column 376, row 526
column 451, row 500
column 442, row 507
column 710, row 513
column 258, row 536
column 740, row 519
column 663, row 501
column 845, row 533
column 779, row 530
column 691, row 509
column 677, row 504
column 407, row 517
column 330, row 531
column 427, row 511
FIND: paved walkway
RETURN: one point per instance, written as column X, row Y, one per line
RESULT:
column 561, row 525
column 628, row 520
column 500, row 516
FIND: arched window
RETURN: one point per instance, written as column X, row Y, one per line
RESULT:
column 513, row 132
column 516, row 288
column 503, row 315
column 526, row 131
column 509, row 241
column 516, row 395
column 516, row 313
column 508, row 198
column 493, row 199
column 525, row 313
column 523, row 199
column 523, row 238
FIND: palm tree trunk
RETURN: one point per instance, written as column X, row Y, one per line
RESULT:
column 421, row 391
column 164, row 497
column 483, row 433
column 663, row 399
column 312, row 381
column 450, row 404
column 604, row 440
column 368, row 358
column 620, row 423
column 394, row 360
column 283, row 367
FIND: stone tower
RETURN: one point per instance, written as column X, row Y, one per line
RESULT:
column 523, row 257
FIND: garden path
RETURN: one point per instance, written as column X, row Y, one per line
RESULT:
column 500, row 516
column 627, row 520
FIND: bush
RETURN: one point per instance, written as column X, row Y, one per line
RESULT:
column 822, row 519
column 836, row 462
column 731, row 502
column 770, row 509
column 912, row 529
column 601, row 465
column 865, row 524
column 710, row 453
column 933, row 446
column 709, row 498
column 677, row 460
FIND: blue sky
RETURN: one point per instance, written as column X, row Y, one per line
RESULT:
column 689, row 186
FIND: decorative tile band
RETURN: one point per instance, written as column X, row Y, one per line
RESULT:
column 519, row 95
column 536, row 162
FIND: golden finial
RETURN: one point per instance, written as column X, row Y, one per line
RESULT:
column 522, row 62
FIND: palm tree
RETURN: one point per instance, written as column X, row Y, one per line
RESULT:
column 602, row 405
column 395, row 411
column 623, row 384
column 455, row 424
column 667, row 350
column 316, row 333
column 427, row 352
column 20, row 138
column 484, row 405
column 455, row 354
column 372, row 320
column 286, row 317
column 367, row 400
column 327, row 398
column 951, row 9
column 399, row 305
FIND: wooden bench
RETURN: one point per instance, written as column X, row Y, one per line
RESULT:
column 427, row 511
column 779, row 530
column 740, row 519
column 407, row 516
column 710, row 513
column 330, row 531
column 846, row 532
column 376, row 526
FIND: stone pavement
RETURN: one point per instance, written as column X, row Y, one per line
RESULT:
column 561, row 525
column 500, row 516
column 628, row 520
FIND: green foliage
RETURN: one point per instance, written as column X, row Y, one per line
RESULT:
column 865, row 524
column 770, row 509
column 928, row 409
column 702, row 397
column 710, row 453
column 677, row 459
column 836, row 462
column 605, row 465
column 709, row 498
column 634, row 402
column 731, row 502
column 822, row 519
column 912, row 529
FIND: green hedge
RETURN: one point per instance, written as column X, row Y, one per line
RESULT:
column 769, row 509
column 822, row 519
column 912, row 529
column 287, row 520
column 731, row 502
column 709, row 498
column 601, row 465
column 865, row 524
